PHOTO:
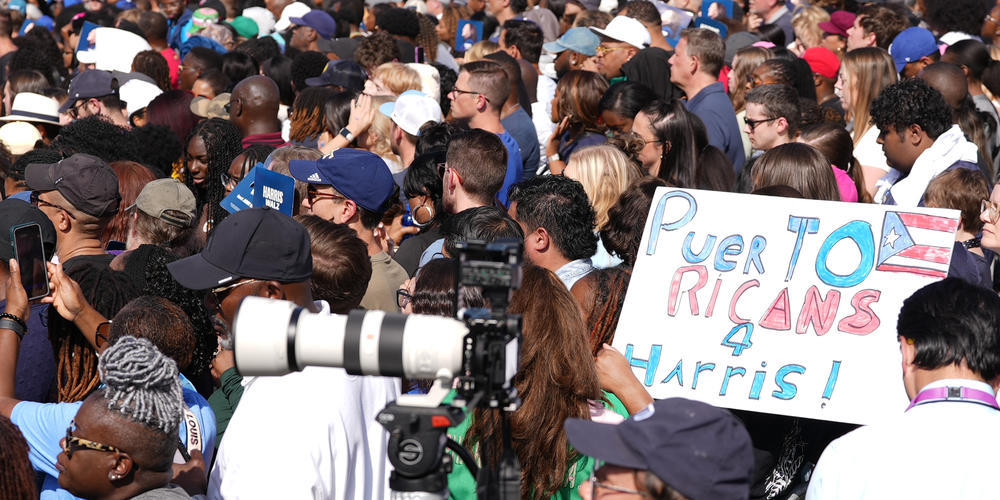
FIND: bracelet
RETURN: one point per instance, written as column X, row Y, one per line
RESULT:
column 14, row 327
column 554, row 157
column 19, row 321
column 347, row 134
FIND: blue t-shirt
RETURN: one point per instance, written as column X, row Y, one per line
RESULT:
column 522, row 129
column 715, row 109
column 513, row 166
column 36, row 362
column 44, row 425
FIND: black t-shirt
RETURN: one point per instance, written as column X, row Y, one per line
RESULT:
column 408, row 254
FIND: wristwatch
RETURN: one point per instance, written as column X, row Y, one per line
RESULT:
column 347, row 134
column 554, row 157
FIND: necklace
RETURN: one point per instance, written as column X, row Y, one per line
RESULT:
column 972, row 243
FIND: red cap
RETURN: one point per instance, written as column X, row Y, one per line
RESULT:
column 823, row 61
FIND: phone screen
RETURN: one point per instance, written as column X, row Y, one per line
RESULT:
column 418, row 55
column 30, row 252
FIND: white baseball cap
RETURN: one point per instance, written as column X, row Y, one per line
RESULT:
column 114, row 49
column 295, row 9
column 626, row 29
column 19, row 137
column 263, row 18
column 411, row 110
column 137, row 94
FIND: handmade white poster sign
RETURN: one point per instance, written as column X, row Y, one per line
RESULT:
column 778, row 305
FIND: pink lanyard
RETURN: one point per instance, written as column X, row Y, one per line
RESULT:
column 966, row 394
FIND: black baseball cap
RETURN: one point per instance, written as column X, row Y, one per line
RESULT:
column 87, row 182
column 14, row 212
column 342, row 73
column 702, row 451
column 90, row 83
column 259, row 243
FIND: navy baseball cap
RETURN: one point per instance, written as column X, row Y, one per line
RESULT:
column 259, row 243
column 911, row 45
column 342, row 73
column 87, row 182
column 90, row 83
column 702, row 451
column 360, row 176
column 319, row 21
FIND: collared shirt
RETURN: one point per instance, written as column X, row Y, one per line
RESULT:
column 943, row 449
column 572, row 271
column 716, row 111
column 272, row 139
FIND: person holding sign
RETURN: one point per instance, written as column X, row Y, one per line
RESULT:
column 943, row 445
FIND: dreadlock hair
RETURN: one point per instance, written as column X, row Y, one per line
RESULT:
column 96, row 136
column 37, row 49
column 76, row 361
column 223, row 142
column 141, row 384
column 159, row 147
column 17, row 479
column 307, row 114
column 146, row 266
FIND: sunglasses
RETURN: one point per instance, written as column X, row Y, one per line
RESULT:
column 73, row 443
column 753, row 123
column 312, row 195
column 37, row 201
column 215, row 296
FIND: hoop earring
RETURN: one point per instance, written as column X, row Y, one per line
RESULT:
column 430, row 216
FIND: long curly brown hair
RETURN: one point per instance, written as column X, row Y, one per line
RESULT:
column 556, row 376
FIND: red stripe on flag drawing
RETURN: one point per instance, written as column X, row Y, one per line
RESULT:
column 915, row 270
column 937, row 255
column 931, row 222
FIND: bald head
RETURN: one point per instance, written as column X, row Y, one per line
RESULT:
column 254, row 106
column 949, row 80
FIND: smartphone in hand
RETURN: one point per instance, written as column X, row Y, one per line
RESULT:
column 29, row 250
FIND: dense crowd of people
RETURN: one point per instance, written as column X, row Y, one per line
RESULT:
column 410, row 127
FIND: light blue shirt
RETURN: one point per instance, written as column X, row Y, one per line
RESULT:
column 44, row 425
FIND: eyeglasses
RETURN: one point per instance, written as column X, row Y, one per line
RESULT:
column 73, row 443
column 74, row 112
column 229, row 181
column 460, row 91
column 312, row 195
column 37, row 201
column 753, row 123
column 213, row 299
column 991, row 209
column 594, row 484
column 601, row 49
column 101, row 334
column 403, row 297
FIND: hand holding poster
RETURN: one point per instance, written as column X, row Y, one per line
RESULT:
column 778, row 305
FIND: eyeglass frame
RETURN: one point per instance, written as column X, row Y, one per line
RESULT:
column 753, row 123
column 601, row 49
column 36, row 200
column 992, row 208
column 312, row 193
column 73, row 443
column 403, row 293
column 214, row 294
column 594, row 484
column 460, row 91
column 228, row 180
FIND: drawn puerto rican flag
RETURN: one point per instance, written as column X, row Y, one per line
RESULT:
column 903, row 246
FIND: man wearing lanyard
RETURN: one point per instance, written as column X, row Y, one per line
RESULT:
column 942, row 446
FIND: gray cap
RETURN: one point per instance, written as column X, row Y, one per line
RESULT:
column 168, row 200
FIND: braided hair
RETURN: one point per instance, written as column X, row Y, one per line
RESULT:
column 76, row 361
column 141, row 384
column 17, row 479
column 223, row 143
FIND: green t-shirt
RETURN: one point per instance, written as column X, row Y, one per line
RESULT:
column 462, row 485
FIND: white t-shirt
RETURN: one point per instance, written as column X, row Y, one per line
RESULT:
column 869, row 153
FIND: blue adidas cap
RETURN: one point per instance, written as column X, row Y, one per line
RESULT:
column 360, row 176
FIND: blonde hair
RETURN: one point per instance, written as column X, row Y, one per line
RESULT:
column 380, row 131
column 397, row 78
column 746, row 60
column 869, row 70
column 480, row 50
column 805, row 23
column 605, row 172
